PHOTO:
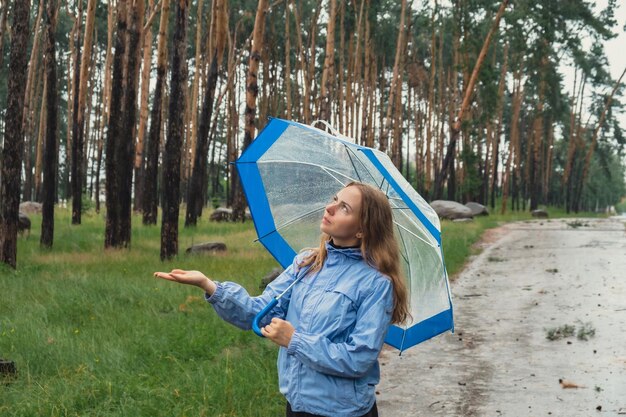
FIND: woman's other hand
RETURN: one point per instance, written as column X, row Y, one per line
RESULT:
column 279, row 331
column 195, row 278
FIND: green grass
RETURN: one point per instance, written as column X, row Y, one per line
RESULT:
column 94, row 334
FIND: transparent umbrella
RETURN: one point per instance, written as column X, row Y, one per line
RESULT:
column 291, row 171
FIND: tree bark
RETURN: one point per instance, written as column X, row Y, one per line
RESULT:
column 78, row 133
column 31, row 94
column 106, row 97
column 175, row 131
column 252, row 90
column 287, row 76
column 198, row 184
column 125, row 153
column 150, row 195
column 51, row 137
column 329, row 64
column 112, row 238
column 3, row 24
column 395, row 80
column 13, row 135
column 143, row 114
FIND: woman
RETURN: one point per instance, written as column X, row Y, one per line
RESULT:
column 332, row 324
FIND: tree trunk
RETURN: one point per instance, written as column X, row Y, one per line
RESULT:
column 175, row 131
column 150, row 195
column 252, row 90
column 120, row 141
column 198, row 184
column 78, row 134
column 498, row 131
column 31, row 94
column 329, row 63
column 13, row 134
column 594, row 140
column 455, row 127
column 287, row 76
column 51, row 141
column 40, row 139
column 143, row 114
column 113, row 214
column 534, row 152
column 125, row 152
column 3, row 24
column 106, row 97
column 395, row 80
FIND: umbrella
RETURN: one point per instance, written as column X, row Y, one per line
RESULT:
column 291, row 171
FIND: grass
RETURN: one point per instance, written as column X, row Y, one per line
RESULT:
column 585, row 331
column 92, row 333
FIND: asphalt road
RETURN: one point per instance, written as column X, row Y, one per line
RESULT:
column 515, row 305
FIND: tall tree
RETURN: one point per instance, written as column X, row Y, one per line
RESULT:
column 51, row 137
column 150, row 180
column 125, row 152
column 106, row 97
column 143, row 111
column 455, row 127
column 33, row 91
column 198, row 186
column 78, row 134
column 594, row 138
column 329, row 64
column 120, row 141
column 175, row 132
column 252, row 90
column 114, row 132
column 13, row 134
column 395, row 82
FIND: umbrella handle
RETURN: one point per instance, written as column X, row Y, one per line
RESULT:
column 262, row 313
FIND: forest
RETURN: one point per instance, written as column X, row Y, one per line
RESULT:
column 141, row 105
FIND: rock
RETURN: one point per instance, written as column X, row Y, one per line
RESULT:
column 451, row 210
column 207, row 248
column 465, row 220
column 540, row 214
column 221, row 214
column 477, row 209
column 23, row 223
column 270, row 277
column 30, row 207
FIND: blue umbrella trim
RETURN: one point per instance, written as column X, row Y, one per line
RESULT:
column 405, row 338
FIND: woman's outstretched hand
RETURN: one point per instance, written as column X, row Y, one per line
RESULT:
column 278, row 331
column 195, row 278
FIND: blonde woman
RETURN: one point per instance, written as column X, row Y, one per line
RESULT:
column 332, row 324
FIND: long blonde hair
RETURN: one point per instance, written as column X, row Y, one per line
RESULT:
column 378, row 246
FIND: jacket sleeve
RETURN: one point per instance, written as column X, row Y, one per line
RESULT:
column 233, row 304
column 353, row 358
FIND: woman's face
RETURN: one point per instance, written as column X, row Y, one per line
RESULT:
column 342, row 217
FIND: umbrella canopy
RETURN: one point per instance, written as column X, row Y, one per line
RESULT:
column 291, row 171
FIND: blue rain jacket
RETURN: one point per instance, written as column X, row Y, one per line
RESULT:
column 341, row 315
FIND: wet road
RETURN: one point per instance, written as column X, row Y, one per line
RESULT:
column 537, row 279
